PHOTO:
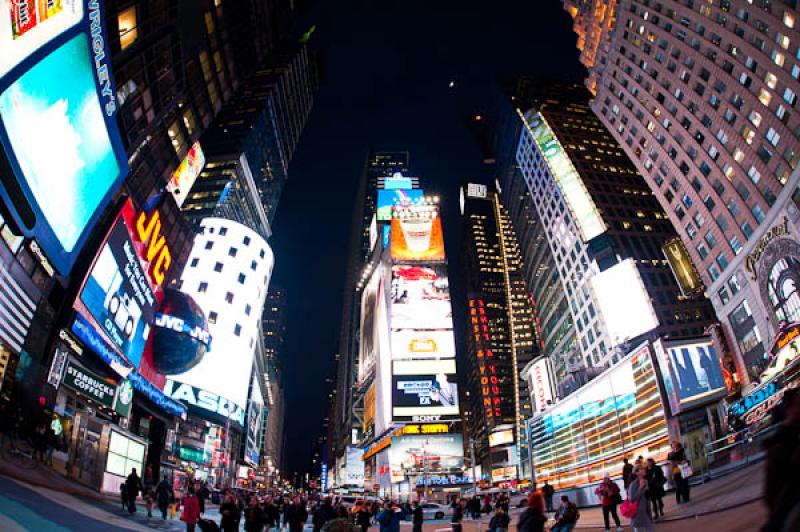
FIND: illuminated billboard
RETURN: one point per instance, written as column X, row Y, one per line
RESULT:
column 625, row 305
column 388, row 198
column 440, row 454
column 587, row 434
column 185, row 175
column 371, row 297
column 580, row 202
column 398, row 180
column 420, row 298
column 691, row 373
column 59, row 133
column 541, row 385
column 417, row 238
column 417, row 344
column 501, row 437
column 682, row 267
column 424, row 388
column 117, row 295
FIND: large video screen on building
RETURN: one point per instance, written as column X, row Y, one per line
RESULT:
column 691, row 372
column 420, row 297
column 388, row 198
column 186, row 174
column 440, row 454
column 586, row 435
column 415, row 344
column 368, row 344
column 57, row 107
column 418, row 238
column 424, row 388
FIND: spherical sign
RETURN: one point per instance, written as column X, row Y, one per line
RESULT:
column 180, row 334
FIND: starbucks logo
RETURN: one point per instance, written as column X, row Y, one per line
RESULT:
column 126, row 393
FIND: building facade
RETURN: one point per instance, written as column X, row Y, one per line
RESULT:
column 702, row 98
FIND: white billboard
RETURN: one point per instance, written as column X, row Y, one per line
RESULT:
column 368, row 344
column 624, row 302
column 541, row 384
column 415, row 344
column 420, row 297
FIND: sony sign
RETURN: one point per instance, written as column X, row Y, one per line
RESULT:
column 423, row 419
column 201, row 400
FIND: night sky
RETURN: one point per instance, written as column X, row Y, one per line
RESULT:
column 387, row 67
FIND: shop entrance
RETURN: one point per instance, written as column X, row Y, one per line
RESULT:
column 84, row 460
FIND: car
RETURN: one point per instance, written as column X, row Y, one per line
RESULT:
column 431, row 510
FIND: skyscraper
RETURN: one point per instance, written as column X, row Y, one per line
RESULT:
column 500, row 337
column 702, row 97
column 273, row 325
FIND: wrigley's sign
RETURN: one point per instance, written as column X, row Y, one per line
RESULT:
column 754, row 256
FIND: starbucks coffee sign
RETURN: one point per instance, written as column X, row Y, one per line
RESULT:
column 91, row 385
column 754, row 256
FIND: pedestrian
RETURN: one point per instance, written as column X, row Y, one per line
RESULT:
column 783, row 466
column 458, row 515
column 363, row 517
column 123, row 495
column 548, row 492
column 229, row 510
column 164, row 496
column 533, row 518
column 40, row 442
column 389, row 518
column 203, row 494
column 134, row 487
column 51, row 441
column 655, row 485
column 149, row 500
column 475, row 507
column 610, row 497
column 680, row 472
column 627, row 473
column 254, row 516
column 500, row 521
column 417, row 518
column 325, row 512
column 566, row 516
column 191, row 509
column 296, row 515
column 637, row 494
column 149, row 479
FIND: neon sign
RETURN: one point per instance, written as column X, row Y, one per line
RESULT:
column 156, row 251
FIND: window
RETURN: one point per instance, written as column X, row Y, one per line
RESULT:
column 246, row 241
column 237, row 330
column 699, row 219
column 702, row 250
column 736, row 246
column 202, row 287
column 733, row 284
column 127, row 27
column 194, row 262
column 232, row 252
column 691, row 231
column 747, row 229
column 248, row 309
column 711, row 239
column 758, row 213
column 241, row 278
column 253, row 265
column 724, row 297
column 713, row 272
column 223, row 231
column 229, row 297
column 218, row 267
column 209, row 244
column 773, row 137
column 764, row 96
column 261, row 254
column 212, row 317
column 754, row 174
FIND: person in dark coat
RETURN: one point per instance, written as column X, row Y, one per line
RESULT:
column 203, row 494
column 500, row 521
column 458, row 515
column 296, row 515
column 533, row 518
column 548, row 491
column 417, row 518
column 389, row 518
column 254, row 517
column 134, row 486
column 655, row 485
column 229, row 510
column 627, row 473
column 164, row 496
column 678, row 457
column 324, row 513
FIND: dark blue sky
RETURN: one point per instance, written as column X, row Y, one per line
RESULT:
column 387, row 65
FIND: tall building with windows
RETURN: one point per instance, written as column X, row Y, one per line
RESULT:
column 598, row 220
column 273, row 326
column 702, row 96
column 501, row 338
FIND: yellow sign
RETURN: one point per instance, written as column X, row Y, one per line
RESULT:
column 432, row 428
column 682, row 267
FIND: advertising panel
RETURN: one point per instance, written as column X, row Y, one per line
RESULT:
column 205, row 404
column 398, row 181
column 580, row 203
column 586, row 435
column 424, row 388
column 417, row 232
column 415, row 344
column 440, row 454
column 388, row 198
column 420, row 297
column 61, row 138
column 255, row 413
column 354, row 467
column 368, row 345
column 187, row 172
column 624, row 302
column 501, row 437
column 541, row 385
column 784, row 352
column 683, row 268
column 89, row 384
column 369, row 409
column 691, row 372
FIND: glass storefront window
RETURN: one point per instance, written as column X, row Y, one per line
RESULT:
column 783, row 289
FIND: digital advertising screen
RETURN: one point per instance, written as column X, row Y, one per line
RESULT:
column 60, row 138
column 691, row 372
column 424, row 388
column 414, row 344
column 388, row 198
column 418, row 238
column 439, row 454
column 587, row 434
column 185, row 175
column 420, row 297
column 117, row 295
column 368, row 344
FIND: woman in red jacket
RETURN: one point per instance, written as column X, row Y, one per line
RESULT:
column 191, row 509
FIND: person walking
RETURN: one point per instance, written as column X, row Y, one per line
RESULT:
column 203, row 494
column 229, row 510
column 548, row 491
column 389, row 518
column 500, row 521
column 363, row 517
column 608, row 492
column 637, row 494
column 679, row 465
column 296, row 515
column 133, row 485
column 533, row 518
column 191, row 509
column 458, row 515
column 254, row 516
column 164, row 496
column 627, row 473
column 566, row 516
column 324, row 513
column 417, row 518
column 655, row 485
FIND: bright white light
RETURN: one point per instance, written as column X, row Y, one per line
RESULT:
column 624, row 303
column 452, row 84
